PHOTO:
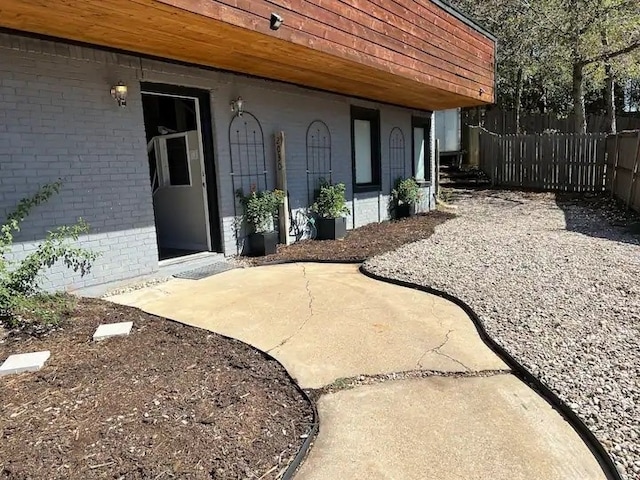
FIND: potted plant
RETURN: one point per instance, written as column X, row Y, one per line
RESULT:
column 405, row 195
column 330, row 207
column 259, row 210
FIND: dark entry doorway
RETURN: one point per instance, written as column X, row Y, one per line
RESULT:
column 181, row 169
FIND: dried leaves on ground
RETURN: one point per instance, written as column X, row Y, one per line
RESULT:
column 361, row 243
column 169, row 401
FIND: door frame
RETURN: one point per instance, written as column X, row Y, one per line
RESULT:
column 204, row 121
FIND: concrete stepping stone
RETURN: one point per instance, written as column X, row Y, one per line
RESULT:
column 24, row 362
column 107, row 330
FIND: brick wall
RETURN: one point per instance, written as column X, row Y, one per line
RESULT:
column 57, row 120
column 292, row 109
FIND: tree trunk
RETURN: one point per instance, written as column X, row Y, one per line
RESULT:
column 518, row 99
column 610, row 89
column 578, row 98
column 610, row 99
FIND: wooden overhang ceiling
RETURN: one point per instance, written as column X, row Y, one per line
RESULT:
column 414, row 53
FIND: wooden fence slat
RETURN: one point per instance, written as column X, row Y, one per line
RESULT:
column 560, row 162
column 634, row 173
column 504, row 122
column 615, row 164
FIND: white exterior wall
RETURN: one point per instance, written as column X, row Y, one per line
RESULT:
column 58, row 120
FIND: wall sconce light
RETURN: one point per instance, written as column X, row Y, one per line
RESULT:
column 276, row 21
column 237, row 106
column 481, row 91
column 119, row 93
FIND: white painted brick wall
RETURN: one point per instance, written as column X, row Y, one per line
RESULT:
column 58, row 120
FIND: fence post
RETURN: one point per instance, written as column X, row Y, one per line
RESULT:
column 474, row 146
column 634, row 173
column 616, row 159
column 494, row 160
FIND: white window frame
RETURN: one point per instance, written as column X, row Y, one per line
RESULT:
column 425, row 124
column 373, row 154
column 162, row 160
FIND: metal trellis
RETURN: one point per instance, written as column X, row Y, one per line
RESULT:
column 248, row 159
column 318, row 156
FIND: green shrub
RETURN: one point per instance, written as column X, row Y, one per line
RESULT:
column 331, row 201
column 19, row 281
column 39, row 312
column 260, row 208
column 406, row 191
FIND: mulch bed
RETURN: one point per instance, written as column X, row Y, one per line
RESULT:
column 361, row 243
column 169, row 401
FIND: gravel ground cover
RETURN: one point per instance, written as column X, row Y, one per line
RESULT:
column 556, row 282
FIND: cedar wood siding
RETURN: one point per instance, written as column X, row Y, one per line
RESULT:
column 412, row 53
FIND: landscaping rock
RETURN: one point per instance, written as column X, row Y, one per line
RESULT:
column 556, row 284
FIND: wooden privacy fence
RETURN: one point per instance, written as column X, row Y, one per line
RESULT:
column 504, row 122
column 559, row 162
column 623, row 154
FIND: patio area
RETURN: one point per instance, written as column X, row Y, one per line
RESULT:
column 404, row 384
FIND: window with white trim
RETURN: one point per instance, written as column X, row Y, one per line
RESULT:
column 172, row 160
column 365, row 142
column 421, row 148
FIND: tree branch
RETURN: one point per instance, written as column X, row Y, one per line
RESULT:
column 613, row 54
column 597, row 13
column 538, row 12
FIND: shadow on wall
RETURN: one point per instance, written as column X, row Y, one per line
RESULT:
column 598, row 215
column 105, row 212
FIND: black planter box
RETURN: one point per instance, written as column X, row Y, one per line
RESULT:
column 403, row 210
column 331, row 228
column 261, row 244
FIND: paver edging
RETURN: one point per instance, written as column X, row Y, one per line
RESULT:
column 587, row 436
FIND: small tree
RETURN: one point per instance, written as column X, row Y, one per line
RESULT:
column 19, row 280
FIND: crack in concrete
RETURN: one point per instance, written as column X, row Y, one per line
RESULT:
column 437, row 351
column 365, row 380
column 307, row 287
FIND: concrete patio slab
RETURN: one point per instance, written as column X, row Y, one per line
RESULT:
column 325, row 321
column 444, row 429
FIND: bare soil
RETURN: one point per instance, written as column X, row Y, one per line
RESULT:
column 168, row 401
column 361, row 243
